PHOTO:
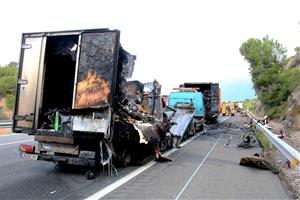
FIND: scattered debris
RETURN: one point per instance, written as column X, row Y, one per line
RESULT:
column 281, row 136
column 228, row 142
column 254, row 161
column 243, row 113
column 247, row 141
column 257, row 161
column 248, row 126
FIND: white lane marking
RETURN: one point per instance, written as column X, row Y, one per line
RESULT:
column 200, row 165
column 11, row 134
column 16, row 142
column 120, row 182
column 115, row 185
column 223, row 120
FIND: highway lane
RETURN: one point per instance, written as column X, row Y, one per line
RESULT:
column 205, row 169
column 9, row 145
column 28, row 179
column 14, row 138
column 222, row 177
column 219, row 176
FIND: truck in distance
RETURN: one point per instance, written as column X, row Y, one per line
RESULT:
column 211, row 96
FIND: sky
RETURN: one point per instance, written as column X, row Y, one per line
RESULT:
column 174, row 41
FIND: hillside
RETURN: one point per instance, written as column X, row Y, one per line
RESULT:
column 276, row 81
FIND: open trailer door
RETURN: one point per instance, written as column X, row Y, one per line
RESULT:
column 32, row 51
column 95, row 80
column 97, row 69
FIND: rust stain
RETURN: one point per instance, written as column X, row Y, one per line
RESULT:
column 92, row 90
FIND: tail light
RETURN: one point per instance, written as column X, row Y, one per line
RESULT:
column 27, row 148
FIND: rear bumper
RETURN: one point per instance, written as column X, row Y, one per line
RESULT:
column 60, row 159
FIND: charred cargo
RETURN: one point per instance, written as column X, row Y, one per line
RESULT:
column 73, row 96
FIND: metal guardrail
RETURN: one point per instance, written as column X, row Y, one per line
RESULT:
column 6, row 123
column 289, row 152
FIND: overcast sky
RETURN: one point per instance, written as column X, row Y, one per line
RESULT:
column 174, row 41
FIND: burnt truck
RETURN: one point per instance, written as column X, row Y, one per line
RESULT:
column 211, row 97
column 74, row 97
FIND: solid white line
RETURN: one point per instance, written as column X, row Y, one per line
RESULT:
column 11, row 134
column 16, row 142
column 120, row 182
column 200, row 165
column 223, row 120
column 115, row 185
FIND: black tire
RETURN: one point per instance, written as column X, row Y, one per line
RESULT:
column 90, row 175
column 125, row 158
column 61, row 165
column 214, row 120
column 192, row 130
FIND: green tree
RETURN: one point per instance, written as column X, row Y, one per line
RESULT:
column 249, row 104
column 266, row 58
column 8, row 78
column 272, row 83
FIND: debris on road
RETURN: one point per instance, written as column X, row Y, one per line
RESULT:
column 254, row 161
column 228, row 142
column 258, row 162
column 247, row 141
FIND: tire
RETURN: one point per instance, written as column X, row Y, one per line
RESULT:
column 192, row 130
column 90, row 175
column 125, row 158
column 61, row 165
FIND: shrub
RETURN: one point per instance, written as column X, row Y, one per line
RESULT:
column 10, row 101
column 296, row 109
column 263, row 140
column 249, row 104
column 8, row 78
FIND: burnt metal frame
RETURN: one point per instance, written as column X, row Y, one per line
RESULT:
column 115, row 66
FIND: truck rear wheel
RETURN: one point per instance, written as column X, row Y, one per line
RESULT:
column 60, row 165
column 125, row 158
column 192, row 130
column 90, row 175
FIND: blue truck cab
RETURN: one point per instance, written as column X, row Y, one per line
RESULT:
column 188, row 96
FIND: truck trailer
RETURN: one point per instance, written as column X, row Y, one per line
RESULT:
column 74, row 97
column 212, row 98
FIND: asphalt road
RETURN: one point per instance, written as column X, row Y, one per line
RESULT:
column 28, row 179
column 204, row 168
